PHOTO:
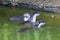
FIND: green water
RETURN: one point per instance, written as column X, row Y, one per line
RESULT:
column 8, row 29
